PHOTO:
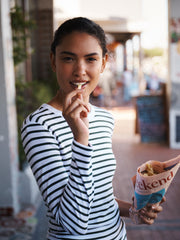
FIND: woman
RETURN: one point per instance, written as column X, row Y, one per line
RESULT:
column 68, row 143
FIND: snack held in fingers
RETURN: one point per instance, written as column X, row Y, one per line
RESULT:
column 79, row 85
column 152, row 181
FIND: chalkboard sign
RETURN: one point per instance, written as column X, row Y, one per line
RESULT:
column 152, row 118
column 177, row 128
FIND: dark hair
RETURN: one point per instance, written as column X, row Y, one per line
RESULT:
column 79, row 24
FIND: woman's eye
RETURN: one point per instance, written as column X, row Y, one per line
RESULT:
column 91, row 59
column 67, row 59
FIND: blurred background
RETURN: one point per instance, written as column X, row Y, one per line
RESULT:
column 140, row 86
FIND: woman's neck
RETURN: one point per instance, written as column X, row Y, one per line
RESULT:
column 56, row 102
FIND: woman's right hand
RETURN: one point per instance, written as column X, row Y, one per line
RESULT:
column 75, row 111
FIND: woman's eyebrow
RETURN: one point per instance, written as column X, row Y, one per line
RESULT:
column 73, row 54
column 91, row 54
column 69, row 53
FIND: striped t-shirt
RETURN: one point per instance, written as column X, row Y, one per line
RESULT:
column 75, row 180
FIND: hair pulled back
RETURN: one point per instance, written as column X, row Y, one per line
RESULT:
column 79, row 24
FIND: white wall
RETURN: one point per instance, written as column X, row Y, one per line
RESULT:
column 97, row 9
column 174, row 75
column 65, row 9
column 175, row 8
column 131, row 9
column 8, row 128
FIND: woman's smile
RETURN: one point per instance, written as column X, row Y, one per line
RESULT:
column 79, row 85
column 78, row 63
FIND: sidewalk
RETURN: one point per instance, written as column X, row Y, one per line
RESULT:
column 19, row 227
column 130, row 153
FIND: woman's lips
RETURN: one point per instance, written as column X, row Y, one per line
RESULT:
column 78, row 85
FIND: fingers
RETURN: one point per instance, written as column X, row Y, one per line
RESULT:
column 147, row 217
column 154, row 208
column 75, row 111
column 76, row 108
column 148, row 221
column 74, row 101
column 150, row 213
column 163, row 200
column 157, row 209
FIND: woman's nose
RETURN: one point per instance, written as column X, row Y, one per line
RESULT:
column 79, row 69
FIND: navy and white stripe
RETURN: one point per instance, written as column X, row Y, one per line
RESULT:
column 75, row 180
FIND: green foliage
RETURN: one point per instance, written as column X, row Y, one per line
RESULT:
column 153, row 52
column 20, row 33
column 29, row 96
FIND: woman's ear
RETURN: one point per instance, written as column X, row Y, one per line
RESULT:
column 53, row 64
column 104, row 61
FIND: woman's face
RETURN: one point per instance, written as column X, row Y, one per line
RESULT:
column 78, row 59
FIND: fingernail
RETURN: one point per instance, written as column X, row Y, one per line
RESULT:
column 142, row 211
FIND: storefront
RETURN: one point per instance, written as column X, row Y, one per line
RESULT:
column 174, row 73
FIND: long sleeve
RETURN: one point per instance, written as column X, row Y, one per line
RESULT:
column 75, row 181
column 68, row 194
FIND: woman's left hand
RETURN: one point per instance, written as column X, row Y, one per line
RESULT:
column 149, row 213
